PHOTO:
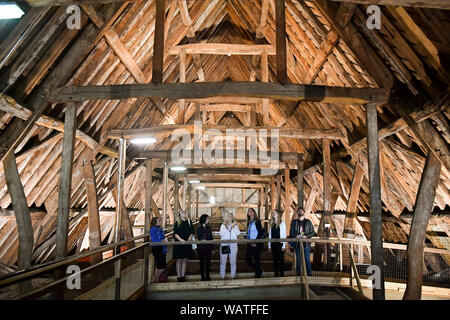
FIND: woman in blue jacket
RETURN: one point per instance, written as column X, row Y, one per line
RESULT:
column 159, row 252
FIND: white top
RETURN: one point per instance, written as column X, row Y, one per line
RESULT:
column 282, row 233
column 226, row 234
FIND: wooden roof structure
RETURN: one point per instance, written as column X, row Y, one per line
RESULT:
column 328, row 44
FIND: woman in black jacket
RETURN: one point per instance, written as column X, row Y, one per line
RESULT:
column 254, row 231
column 204, row 250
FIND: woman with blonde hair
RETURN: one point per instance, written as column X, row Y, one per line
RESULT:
column 183, row 230
column 229, row 230
column 277, row 231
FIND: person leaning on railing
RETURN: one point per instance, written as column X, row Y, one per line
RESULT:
column 277, row 231
column 302, row 228
column 159, row 252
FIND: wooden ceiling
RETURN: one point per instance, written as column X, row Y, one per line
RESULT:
column 328, row 43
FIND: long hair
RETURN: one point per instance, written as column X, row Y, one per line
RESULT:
column 177, row 217
column 248, row 217
column 274, row 222
column 225, row 218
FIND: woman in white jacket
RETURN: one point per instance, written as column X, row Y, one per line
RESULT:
column 277, row 231
column 229, row 230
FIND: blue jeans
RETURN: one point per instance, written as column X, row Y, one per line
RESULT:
column 307, row 251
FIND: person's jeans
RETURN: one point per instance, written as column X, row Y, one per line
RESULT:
column 253, row 258
column 307, row 251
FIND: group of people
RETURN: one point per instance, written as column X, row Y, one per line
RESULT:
column 301, row 228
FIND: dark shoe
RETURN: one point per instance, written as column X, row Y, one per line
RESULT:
column 180, row 279
column 183, row 279
column 259, row 274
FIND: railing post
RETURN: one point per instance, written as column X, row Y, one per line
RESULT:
column 340, row 258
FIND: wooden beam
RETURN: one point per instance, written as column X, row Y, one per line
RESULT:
column 165, row 193
column 422, row 210
column 300, row 192
column 158, row 48
column 21, row 211
column 65, row 180
column 350, row 218
column 280, row 12
column 201, row 90
column 53, row 3
column 227, row 177
column 287, row 199
column 437, row 4
column 376, row 231
column 231, row 185
column 176, row 193
column 234, row 154
column 95, row 240
column 182, row 102
column 148, row 194
column 224, row 49
column 225, row 107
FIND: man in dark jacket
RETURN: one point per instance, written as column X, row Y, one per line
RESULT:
column 302, row 228
column 254, row 231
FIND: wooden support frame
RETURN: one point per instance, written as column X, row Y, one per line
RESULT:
column 280, row 17
column 224, row 49
column 350, row 217
column 21, row 211
column 202, row 90
column 95, row 240
column 376, row 231
column 158, row 48
column 165, row 193
column 65, row 180
column 422, row 210
column 300, row 192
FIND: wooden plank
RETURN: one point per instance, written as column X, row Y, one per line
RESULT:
column 225, row 107
column 294, row 133
column 376, row 233
column 181, row 102
column 300, row 192
column 158, row 49
column 280, row 13
column 65, row 184
column 93, row 214
column 350, row 218
column 437, row 4
column 148, row 194
column 21, row 211
column 201, row 90
column 422, row 210
column 224, row 49
column 287, row 199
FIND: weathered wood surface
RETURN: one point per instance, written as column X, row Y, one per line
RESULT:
column 376, row 229
column 212, row 89
column 224, row 49
column 437, row 4
column 422, row 211
column 65, row 180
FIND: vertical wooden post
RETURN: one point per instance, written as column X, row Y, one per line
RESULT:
column 376, row 235
column 65, row 180
column 185, row 186
column 422, row 210
column 119, row 210
column 326, row 197
column 158, row 48
column 300, row 194
column 272, row 196
column 95, row 237
column 176, row 201
column 165, row 195
column 189, row 200
column 279, row 194
column 148, row 217
column 281, row 41
column 265, row 78
column 21, row 210
column 181, row 102
column 148, row 194
column 197, row 196
column 287, row 198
